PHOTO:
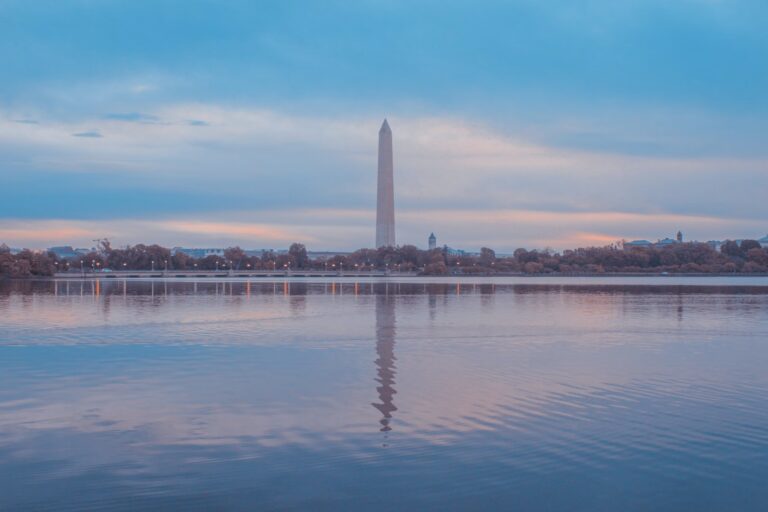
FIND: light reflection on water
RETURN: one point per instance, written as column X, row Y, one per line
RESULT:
column 533, row 394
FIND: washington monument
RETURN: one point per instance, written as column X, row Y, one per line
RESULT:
column 385, row 199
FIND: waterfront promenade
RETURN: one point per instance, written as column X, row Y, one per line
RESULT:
column 124, row 274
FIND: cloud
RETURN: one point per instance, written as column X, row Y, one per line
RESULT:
column 197, row 122
column 142, row 88
column 25, row 121
column 349, row 229
column 134, row 117
column 92, row 134
column 474, row 183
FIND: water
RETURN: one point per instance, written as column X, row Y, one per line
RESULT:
column 528, row 394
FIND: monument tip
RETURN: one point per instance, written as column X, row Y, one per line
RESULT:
column 385, row 126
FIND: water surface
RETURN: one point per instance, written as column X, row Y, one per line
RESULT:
column 528, row 394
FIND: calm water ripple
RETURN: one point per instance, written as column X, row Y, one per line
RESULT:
column 531, row 394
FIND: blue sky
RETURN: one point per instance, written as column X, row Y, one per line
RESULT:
column 521, row 123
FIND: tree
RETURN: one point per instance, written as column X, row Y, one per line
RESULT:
column 747, row 245
column 437, row 268
column 487, row 256
column 235, row 255
column 181, row 261
column 212, row 262
column 730, row 248
column 758, row 255
column 533, row 267
column 298, row 254
column 104, row 246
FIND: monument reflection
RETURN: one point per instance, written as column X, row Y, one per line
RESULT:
column 385, row 358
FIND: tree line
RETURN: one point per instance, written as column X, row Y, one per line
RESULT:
column 745, row 257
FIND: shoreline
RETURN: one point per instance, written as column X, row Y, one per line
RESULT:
column 368, row 275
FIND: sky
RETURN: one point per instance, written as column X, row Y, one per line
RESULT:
column 515, row 123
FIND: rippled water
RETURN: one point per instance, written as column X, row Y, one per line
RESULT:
column 577, row 394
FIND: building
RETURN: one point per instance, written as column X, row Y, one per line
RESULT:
column 198, row 253
column 326, row 255
column 669, row 242
column 637, row 243
column 259, row 253
column 450, row 251
column 64, row 252
column 432, row 241
column 385, row 196
column 666, row 242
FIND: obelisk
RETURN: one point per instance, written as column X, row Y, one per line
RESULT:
column 385, row 198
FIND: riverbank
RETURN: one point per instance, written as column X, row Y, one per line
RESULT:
column 200, row 274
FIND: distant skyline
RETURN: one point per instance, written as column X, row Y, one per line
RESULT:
column 519, row 124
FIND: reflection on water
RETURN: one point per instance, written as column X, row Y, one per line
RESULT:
column 385, row 362
column 522, row 394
